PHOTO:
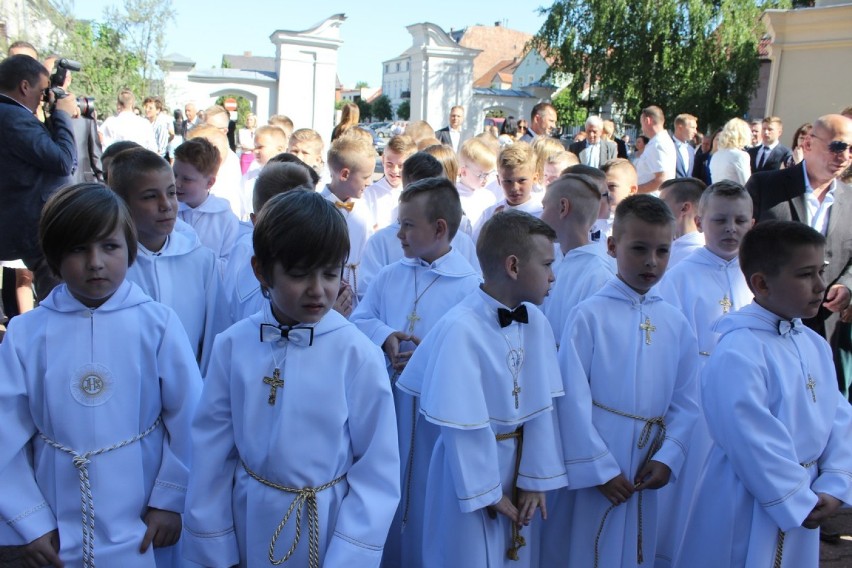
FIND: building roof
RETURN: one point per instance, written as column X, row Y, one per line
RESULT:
column 503, row 93
column 249, row 62
column 497, row 43
column 233, row 74
column 502, row 70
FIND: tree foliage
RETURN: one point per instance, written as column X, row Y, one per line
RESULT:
column 696, row 56
column 362, row 85
column 570, row 111
column 243, row 107
column 365, row 109
column 381, row 108
column 403, row 111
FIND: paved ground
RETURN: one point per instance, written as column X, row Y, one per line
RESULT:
column 831, row 555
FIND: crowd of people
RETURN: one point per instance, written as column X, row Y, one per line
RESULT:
column 508, row 350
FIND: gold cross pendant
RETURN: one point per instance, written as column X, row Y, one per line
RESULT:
column 647, row 328
column 275, row 382
column 726, row 304
column 811, row 386
column 515, row 392
column 412, row 318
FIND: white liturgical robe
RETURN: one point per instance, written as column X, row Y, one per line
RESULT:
column 474, row 201
column 531, row 206
column 683, row 246
column 331, row 416
column 621, row 353
column 90, row 379
column 359, row 221
column 463, row 373
column 411, row 296
column 781, row 432
column 217, row 226
column 383, row 202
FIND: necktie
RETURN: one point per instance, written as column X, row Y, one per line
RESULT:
column 506, row 317
column 786, row 327
column 348, row 205
column 298, row 335
column 764, row 154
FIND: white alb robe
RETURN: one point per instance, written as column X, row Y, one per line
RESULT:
column 385, row 309
column 474, row 201
column 383, row 248
column 683, row 246
column 216, row 225
column 698, row 287
column 605, row 357
column 228, row 184
column 383, row 202
column 242, row 288
column 90, row 379
column 581, row 273
column 461, row 374
column 185, row 276
column 776, row 444
column 359, row 221
column 532, row 206
column 333, row 417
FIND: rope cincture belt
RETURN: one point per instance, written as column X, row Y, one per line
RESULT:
column 304, row 497
column 81, row 462
column 644, row 438
column 779, row 546
column 517, row 540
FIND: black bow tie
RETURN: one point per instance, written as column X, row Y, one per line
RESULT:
column 299, row 335
column 506, row 317
column 786, row 327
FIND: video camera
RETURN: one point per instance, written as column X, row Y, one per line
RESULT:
column 57, row 83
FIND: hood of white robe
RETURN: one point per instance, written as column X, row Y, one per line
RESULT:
column 616, row 289
column 127, row 296
column 330, row 321
column 752, row 316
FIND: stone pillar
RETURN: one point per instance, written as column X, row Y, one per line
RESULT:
column 441, row 77
column 306, row 63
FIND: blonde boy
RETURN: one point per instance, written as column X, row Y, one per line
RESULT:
column 621, row 181
column 284, row 123
column 382, row 197
column 516, row 172
column 477, row 167
column 307, row 145
column 351, row 162
column 682, row 196
column 555, row 164
column 544, row 148
column 269, row 141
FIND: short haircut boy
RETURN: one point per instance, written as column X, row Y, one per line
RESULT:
column 646, row 208
column 275, row 133
column 618, row 164
column 307, row 135
column 200, row 154
column 508, row 233
column 563, row 157
column 518, row 155
column 285, row 158
column 111, row 152
column 402, row 144
column 420, row 165
column 684, row 190
column 128, row 165
column 302, row 217
column 80, row 214
column 447, row 157
column 212, row 135
column 726, row 188
column 595, row 175
column 419, row 130
column 475, row 151
column 282, row 121
column 442, row 201
column 279, row 177
column 769, row 245
column 584, row 196
column 348, row 152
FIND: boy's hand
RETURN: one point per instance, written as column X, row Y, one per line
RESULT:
column 825, row 507
column 617, row 490
column 43, row 551
column 391, row 348
column 163, row 529
column 528, row 501
column 653, row 476
column 343, row 304
column 505, row 507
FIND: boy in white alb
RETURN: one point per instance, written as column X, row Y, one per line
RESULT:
column 781, row 462
column 477, row 164
column 629, row 362
column 570, row 207
column 382, row 198
column 98, row 392
column 294, row 446
column 307, row 145
column 516, row 172
column 602, row 227
column 195, row 167
column 383, row 247
column 172, row 267
column 269, row 141
column 403, row 303
column 707, row 285
column 486, row 375
column 351, row 161
column 682, row 195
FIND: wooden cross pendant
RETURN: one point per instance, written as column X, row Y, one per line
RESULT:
column 275, row 382
column 811, row 386
column 726, row 304
column 412, row 318
column 647, row 328
column 515, row 392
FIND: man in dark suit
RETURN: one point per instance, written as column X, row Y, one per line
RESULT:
column 811, row 193
column 451, row 135
column 594, row 151
column 542, row 122
column 89, row 166
column 685, row 127
column 36, row 160
column 770, row 155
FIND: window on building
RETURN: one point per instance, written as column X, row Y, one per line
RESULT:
column 397, row 65
column 387, row 68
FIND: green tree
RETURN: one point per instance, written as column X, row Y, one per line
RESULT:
column 243, row 107
column 696, row 56
column 365, row 109
column 362, row 85
column 403, row 111
column 570, row 111
column 381, row 108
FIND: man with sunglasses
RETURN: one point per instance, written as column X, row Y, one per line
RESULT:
column 812, row 192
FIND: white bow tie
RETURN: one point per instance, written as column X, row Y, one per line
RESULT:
column 297, row 335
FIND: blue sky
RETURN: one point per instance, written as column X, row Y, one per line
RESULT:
column 373, row 31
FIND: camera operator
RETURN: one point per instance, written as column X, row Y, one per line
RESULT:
column 35, row 160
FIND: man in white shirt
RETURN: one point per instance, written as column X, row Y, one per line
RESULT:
column 685, row 128
column 659, row 161
column 127, row 126
column 451, row 135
